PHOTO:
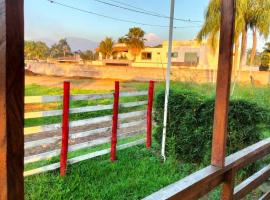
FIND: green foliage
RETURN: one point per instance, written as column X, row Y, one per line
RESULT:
column 35, row 50
column 136, row 174
column 60, row 49
column 190, row 122
column 106, row 47
column 87, row 55
column 135, row 40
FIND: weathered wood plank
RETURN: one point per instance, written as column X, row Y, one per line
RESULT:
column 201, row 182
column 223, row 82
column 11, row 99
column 251, row 183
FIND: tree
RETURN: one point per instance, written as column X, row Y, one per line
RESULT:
column 135, row 40
column 87, row 55
column 36, row 50
column 106, row 47
column 60, row 49
column 267, row 47
column 253, row 14
column 121, row 40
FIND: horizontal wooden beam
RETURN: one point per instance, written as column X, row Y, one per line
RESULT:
column 201, row 182
column 266, row 196
column 251, row 183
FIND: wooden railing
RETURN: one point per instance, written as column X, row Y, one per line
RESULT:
column 202, row 182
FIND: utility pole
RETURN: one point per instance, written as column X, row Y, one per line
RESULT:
column 163, row 145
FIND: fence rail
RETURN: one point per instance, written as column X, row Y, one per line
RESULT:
column 202, row 182
column 131, row 124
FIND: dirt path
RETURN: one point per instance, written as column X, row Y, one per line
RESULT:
column 77, row 83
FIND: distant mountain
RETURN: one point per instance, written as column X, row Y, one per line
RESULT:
column 81, row 44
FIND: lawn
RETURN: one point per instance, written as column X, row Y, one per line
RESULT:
column 137, row 172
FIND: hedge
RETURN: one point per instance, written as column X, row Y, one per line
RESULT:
column 190, row 120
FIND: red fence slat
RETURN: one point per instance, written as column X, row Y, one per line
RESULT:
column 149, row 114
column 65, row 129
column 115, row 121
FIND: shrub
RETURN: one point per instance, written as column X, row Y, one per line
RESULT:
column 190, row 119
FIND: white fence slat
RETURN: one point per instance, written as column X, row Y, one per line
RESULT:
column 133, row 94
column 50, row 140
column 50, row 154
column 45, row 141
column 85, row 97
column 50, row 113
column 42, row 156
column 42, row 99
column 42, row 169
column 82, row 158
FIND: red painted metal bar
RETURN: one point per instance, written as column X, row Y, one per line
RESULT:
column 115, row 121
column 149, row 115
column 65, row 129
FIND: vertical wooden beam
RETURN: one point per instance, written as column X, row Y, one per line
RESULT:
column 11, row 99
column 228, row 186
column 223, row 82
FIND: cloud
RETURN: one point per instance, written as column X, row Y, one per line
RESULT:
column 152, row 39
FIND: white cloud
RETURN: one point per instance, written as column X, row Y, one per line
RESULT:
column 152, row 39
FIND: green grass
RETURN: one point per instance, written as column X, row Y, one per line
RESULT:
column 137, row 173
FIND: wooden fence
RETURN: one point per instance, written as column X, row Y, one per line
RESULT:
column 105, row 129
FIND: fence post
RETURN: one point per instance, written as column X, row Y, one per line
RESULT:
column 149, row 115
column 115, row 121
column 65, row 129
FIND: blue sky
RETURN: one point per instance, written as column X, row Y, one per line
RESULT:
column 44, row 20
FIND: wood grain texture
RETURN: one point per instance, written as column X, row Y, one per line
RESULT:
column 228, row 186
column 223, row 82
column 11, row 99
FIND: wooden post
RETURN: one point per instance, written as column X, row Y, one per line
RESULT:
column 149, row 115
column 11, row 99
column 223, row 82
column 228, row 186
column 65, row 129
column 115, row 121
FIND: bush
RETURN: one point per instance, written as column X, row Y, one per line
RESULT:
column 190, row 120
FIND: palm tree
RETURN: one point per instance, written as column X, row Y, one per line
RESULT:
column 267, row 47
column 106, row 47
column 135, row 40
column 258, row 19
column 254, row 14
column 211, row 26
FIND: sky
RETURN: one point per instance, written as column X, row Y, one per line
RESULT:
column 50, row 22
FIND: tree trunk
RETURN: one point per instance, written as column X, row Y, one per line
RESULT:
column 244, row 48
column 236, row 55
column 254, row 46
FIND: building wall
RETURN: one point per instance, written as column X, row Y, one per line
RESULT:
column 190, row 74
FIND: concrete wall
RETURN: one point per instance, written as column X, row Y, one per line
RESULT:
column 139, row 73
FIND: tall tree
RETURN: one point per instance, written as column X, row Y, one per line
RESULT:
column 252, row 14
column 267, row 47
column 87, row 55
column 258, row 19
column 106, row 47
column 35, row 50
column 60, row 49
column 135, row 40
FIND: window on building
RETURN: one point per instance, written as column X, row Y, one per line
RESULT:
column 174, row 54
column 146, row 55
column 191, row 58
